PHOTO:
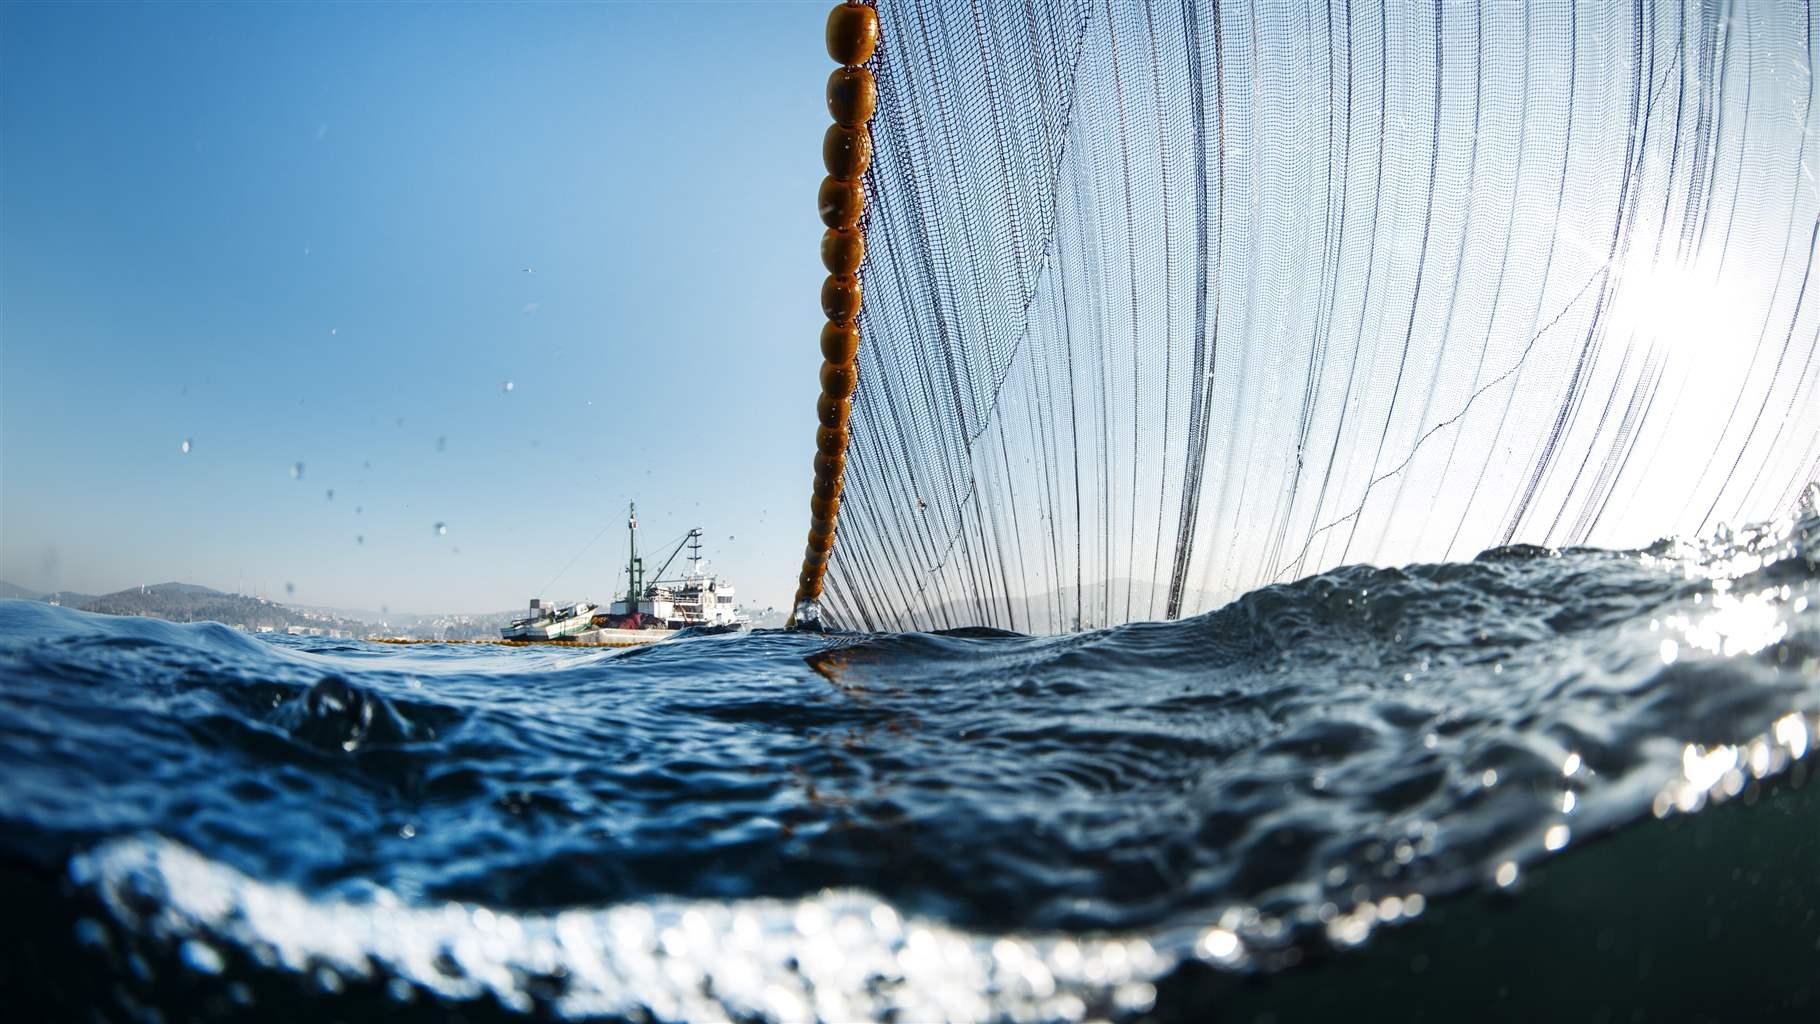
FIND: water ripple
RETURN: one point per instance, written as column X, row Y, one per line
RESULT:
column 970, row 824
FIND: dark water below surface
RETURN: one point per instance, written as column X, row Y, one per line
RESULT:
column 1375, row 793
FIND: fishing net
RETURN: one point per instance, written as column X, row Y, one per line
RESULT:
column 1168, row 301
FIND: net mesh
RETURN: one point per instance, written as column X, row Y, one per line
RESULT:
column 1168, row 301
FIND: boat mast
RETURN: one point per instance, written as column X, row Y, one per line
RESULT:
column 633, row 562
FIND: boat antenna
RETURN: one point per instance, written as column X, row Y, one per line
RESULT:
column 695, row 552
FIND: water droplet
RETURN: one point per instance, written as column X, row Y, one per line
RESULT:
column 359, row 509
column 1220, row 944
column 90, row 933
column 290, row 588
column 360, row 538
column 1507, row 874
column 334, row 330
column 442, row 529
column 1810, row 498
column 407, row 830
column 185, row 446
column 442, row 443
column 331, row 494
column 296, row 471
column 1556, row 837
column 506, row 388
column 200, row 957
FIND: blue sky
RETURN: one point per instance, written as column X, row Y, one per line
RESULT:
column 332, row 234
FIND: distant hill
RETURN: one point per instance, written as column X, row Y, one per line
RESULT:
column 188, row 602
column 410, row 620
column 191, row 602
column 68, row 598
column 183, row 588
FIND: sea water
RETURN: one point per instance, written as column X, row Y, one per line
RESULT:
column 1536, row 782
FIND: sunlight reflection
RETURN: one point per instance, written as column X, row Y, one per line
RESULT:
column 1687, row 312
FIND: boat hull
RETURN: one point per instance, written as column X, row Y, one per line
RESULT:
column 610, row 637
column 550, row 629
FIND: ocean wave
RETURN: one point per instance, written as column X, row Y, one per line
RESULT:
column 967, row 825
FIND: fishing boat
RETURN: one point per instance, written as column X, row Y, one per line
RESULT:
column 551, row 621
column 696, row 599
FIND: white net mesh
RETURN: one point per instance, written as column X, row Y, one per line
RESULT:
column 1168, row 301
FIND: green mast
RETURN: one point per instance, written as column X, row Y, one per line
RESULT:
column 634, row 564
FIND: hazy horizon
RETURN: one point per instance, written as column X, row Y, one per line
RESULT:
column 380, row 268
column 283, row 599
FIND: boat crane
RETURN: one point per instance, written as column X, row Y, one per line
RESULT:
column 693, row 535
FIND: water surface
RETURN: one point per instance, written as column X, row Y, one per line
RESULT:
column 1488, row 783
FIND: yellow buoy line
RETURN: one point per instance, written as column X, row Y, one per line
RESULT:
column 403, row 641
column 846, row 152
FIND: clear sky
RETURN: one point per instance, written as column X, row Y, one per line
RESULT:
column 498, row 267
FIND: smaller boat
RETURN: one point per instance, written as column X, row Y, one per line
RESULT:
column 551, row 621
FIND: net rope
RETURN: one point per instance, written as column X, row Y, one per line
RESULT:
column 1168, row 301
